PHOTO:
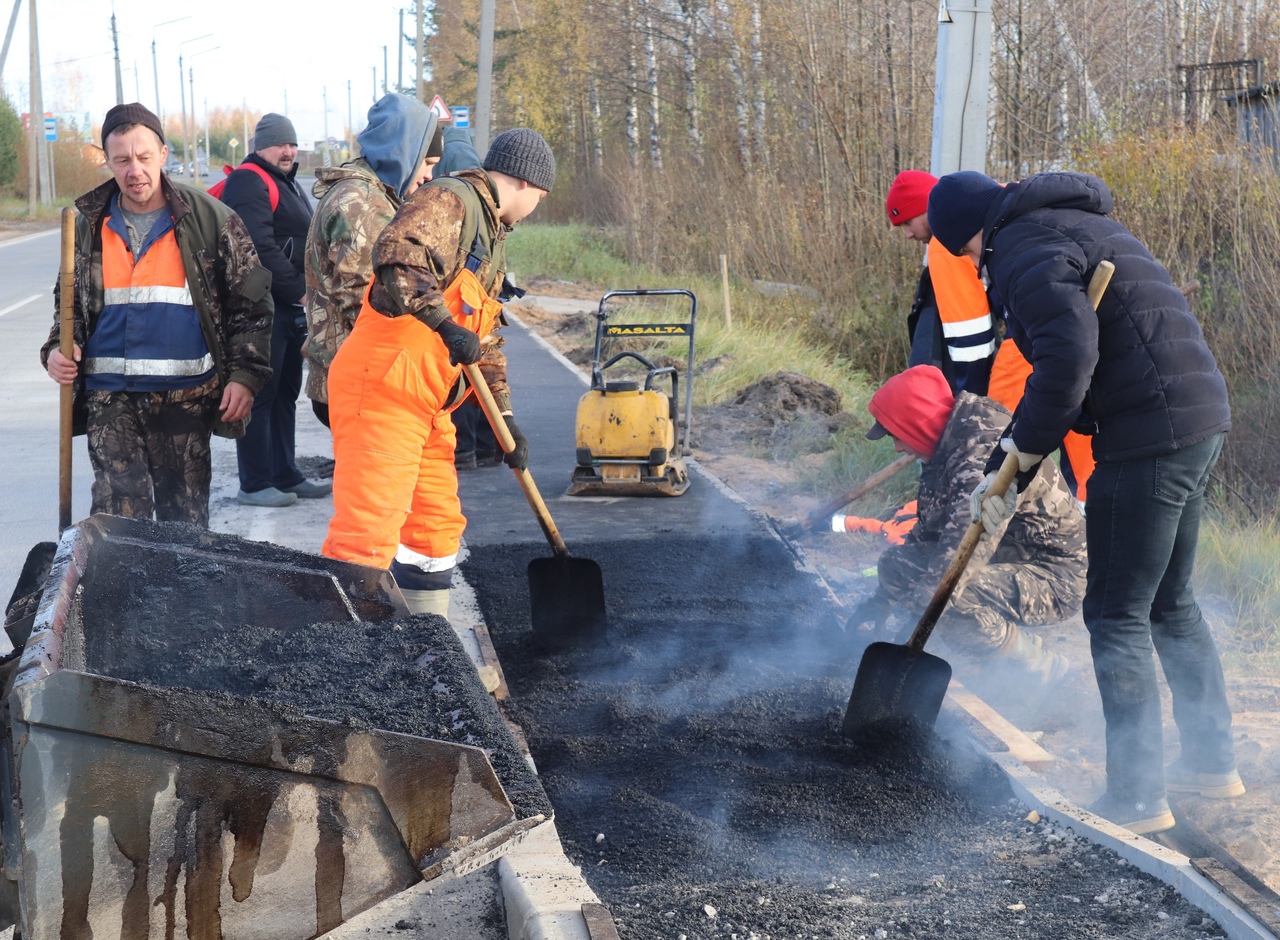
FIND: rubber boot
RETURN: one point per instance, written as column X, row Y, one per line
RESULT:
column 427, row 602
column 1025, row 652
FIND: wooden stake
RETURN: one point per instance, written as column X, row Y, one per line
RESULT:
column 724, row 278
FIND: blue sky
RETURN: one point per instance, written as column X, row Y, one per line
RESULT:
column 271, row 56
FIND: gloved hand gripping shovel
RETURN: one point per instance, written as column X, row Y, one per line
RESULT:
column 824, row 513
column 902, row 680
column 566, row 594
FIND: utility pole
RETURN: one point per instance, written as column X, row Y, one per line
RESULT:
column 244, row 117
column 351, row 128
column 961, row 88
column 115, row 42
column 484, row 78
column 328, row 158
column 421, row 91
column 375, row 84
column 8, row 36
column 400, row 55
column 38, row 154
column 155, row 68
column 182, row 88
column 384, row 70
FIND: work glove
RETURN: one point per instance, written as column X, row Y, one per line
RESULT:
column 1026, row 462
column 518, row 459
column 992, row 509
column 871, row 614
column 463, row 345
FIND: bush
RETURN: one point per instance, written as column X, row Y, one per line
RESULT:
column 12, row 140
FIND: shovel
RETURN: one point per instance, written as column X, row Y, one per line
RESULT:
column 871, row 482
column 903, row 681
column 566, row 594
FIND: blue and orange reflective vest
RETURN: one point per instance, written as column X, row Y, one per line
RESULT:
column 148, row 337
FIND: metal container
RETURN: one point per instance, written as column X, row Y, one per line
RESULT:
column 135, row 810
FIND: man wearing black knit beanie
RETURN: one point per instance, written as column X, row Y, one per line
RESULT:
column 439, row 280
column 1137, row 375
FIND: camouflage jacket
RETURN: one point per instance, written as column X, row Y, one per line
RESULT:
column 355, row 206
column 1046, row 530
column 420, row 252
column 230, row 289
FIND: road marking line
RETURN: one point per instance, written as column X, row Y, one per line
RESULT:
column 20, row 303
column 26, row 238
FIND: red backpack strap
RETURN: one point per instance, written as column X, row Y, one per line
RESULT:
column 273, row 191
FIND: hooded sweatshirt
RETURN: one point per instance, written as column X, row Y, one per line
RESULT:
column 357, row 200
column 1137, row 374
column 396, row 139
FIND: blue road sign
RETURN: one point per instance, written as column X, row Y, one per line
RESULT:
column 50, row 128
column 461, row 116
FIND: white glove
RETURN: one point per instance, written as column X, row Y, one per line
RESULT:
column 1025, row 461
column 992, row 509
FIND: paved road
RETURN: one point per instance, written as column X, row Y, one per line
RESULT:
column 29, row 407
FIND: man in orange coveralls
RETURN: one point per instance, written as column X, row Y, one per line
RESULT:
column 438, row 280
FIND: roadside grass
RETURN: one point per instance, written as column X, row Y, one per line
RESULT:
column 13, row 209
column 1238, row 577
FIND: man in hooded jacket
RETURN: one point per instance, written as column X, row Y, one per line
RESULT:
column 1137, row 375
column 399, row 148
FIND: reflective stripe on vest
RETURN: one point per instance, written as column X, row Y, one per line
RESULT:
column 148, row 337
column 962, row 306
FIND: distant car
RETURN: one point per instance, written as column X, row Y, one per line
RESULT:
column 173, row 167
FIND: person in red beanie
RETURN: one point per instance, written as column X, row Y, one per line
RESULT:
column 950, row 324
column 1034, row 573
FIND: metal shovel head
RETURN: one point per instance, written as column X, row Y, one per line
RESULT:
column 566, row 597
column 895, row 682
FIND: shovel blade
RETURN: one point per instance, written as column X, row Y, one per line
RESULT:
column 566, row 597
column 894, row 682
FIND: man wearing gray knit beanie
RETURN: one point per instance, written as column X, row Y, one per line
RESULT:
column 435, row 302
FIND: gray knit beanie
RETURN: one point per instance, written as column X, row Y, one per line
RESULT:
column 958, row 206
column 273, row 129
column 523, row 153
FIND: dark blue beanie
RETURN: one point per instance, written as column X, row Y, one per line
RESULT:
column 958, row 207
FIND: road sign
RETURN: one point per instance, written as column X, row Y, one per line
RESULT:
column 441, row 111
column 461, row 116
column 50, row 128
column 233, row 142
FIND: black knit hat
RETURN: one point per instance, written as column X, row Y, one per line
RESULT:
column 273, row 129
column 523, row 153
column 135, row 113
column 958, row 207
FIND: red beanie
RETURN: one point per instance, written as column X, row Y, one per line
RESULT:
column 909, row 195
column 914, row 406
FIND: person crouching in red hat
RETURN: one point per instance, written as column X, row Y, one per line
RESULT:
column 1030, row 572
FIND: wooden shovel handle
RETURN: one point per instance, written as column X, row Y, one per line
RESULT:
column 862, row 489
column 503, row 434
column 1004, row 476
column 66, row 346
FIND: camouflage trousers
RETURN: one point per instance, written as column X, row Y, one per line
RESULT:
column 985, row 612
column 150, row 452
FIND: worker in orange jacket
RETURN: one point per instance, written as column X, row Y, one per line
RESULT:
column 438, row 274
column 951, row 325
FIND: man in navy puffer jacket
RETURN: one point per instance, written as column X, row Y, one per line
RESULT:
column 1138, row 376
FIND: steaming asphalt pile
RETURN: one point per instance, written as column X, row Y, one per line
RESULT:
column 699, row 776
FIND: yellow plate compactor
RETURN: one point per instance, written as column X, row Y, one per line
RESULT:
column 631, row 436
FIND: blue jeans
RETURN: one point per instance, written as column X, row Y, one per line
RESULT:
column 1143, row 522
column 265, row 453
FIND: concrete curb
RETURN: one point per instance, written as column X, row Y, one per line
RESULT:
column 1171, row 867
column 543, row 891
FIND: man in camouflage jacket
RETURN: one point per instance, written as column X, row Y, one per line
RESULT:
column 399, row 148
column 150, row 449
column 1033, row 573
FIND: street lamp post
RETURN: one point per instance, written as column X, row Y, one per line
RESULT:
column 156, row 68
column 182, row 88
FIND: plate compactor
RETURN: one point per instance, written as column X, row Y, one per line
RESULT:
column 631, row 437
